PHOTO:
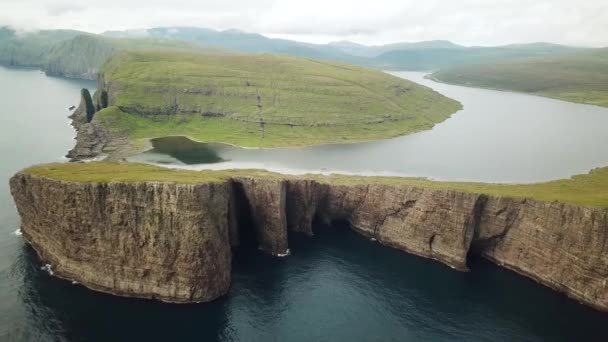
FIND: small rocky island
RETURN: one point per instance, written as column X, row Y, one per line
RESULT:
column 143, row 231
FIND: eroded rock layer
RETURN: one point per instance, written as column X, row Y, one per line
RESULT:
column 173, row 242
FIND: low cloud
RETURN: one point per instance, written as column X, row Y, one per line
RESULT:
column 58, row 9
column 471, row 22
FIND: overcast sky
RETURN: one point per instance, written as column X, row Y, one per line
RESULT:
column 470, row 22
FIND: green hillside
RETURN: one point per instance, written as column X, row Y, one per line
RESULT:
column 588, row 190
column 30, row 49
column 77, row 54
column 83, row 55
column 79, row 57
column 428, row 57
column 224, row 98
column 580, row 77
column 80, row 54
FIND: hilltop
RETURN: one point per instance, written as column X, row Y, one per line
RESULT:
column 260, row 100
column 425, row 55
column 76, row 54
column 80, row 54
column 83, row 55
column 580, row 77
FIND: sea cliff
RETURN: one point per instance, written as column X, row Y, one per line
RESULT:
column 172, row 239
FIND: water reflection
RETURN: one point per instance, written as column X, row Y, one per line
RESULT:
column 187, row 151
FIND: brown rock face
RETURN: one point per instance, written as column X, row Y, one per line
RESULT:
column 93, row 139
column 561, row 246
column 173, row 242
column 436, row 224
column 266, row 203
column 152, row 240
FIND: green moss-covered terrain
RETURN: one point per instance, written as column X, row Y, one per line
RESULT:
column 581, row 77
column 587, row 190
column 261, row 100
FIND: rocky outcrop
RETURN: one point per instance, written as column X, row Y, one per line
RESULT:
column 173, row 242
column 94, row 139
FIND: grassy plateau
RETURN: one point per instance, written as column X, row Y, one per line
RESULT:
column 580, row 77
column 587, row 190
column 262, row 100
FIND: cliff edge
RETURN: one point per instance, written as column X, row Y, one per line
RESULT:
column 146, row 235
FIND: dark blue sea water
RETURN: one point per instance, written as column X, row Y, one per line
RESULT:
column 336, row 286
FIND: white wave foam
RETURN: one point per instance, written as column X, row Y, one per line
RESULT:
column 48, row 268
column 287, row 252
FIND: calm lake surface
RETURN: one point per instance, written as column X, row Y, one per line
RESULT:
column 497, row 137
column 336, row 286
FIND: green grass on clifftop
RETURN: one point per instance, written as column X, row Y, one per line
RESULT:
column 580, row 77
column 587, row 190
column 222, row 98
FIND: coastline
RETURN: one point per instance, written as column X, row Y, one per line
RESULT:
column 434, row 79
column 537, row 238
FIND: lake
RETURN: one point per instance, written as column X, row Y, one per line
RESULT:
column 336, row 286
column 497, row 137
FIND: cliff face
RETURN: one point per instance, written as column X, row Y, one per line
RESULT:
column 152, row 240
column 562, row 246
column 79, row 57
column 93, row 139
column 173, row 242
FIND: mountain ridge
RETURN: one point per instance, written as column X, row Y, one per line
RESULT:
column 67, row 53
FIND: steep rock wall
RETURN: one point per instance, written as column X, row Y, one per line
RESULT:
column 266, row 203
column 559, row 245
column 151, row 240
column 93, row 139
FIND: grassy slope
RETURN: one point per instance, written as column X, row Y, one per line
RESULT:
column 74, row 53
column 83, row 55
column 30, row 49
column 426, row 55
column 588, row 190
column 452, row 56
column 302, row 101
column 581, row 77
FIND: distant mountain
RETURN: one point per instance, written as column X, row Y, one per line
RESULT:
column 30, row 49
column 79, row 57
column 80, row 54
column 577, row 77
column 245, row 42
column 438, row 58
column 77, row 54
column 376, row 50
column 83, row 55
column 427, row 55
